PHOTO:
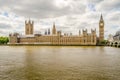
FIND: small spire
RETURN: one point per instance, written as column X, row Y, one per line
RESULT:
column 53, row 23
column 29, row 20
column 45, row 32
column 49, row 31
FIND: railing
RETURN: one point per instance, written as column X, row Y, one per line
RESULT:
column 114, row 44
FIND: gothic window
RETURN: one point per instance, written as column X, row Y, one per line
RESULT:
column 84, row 41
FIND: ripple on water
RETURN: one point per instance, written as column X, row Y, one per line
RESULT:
column 59, row 63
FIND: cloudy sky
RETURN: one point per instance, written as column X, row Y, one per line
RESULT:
column 70, row 16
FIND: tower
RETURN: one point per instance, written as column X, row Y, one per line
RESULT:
column 85, row 36
column 14, row 38
column 54, row 29
column 101, row 29
column 93, row 36
column 29, row 27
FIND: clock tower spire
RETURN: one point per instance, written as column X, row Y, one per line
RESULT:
column 101, row 29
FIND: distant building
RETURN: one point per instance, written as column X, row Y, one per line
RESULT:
column 116, row 37
column 116, row 40
column 56, row 38
column 110, row 38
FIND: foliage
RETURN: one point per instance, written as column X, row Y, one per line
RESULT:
column 104, row 42
column 4, row 40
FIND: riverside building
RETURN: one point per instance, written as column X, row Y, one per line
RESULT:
column 56, row 38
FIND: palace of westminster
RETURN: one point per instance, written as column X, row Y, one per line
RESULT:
column 56, row 38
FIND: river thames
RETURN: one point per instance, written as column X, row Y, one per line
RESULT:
column 59, row 63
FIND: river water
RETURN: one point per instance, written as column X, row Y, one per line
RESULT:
column 59, row 63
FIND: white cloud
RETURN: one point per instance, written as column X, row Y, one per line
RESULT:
column 69, row 15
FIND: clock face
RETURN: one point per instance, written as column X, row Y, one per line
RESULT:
column 101, row 24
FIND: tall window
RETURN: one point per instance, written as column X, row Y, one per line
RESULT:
column 84, row 41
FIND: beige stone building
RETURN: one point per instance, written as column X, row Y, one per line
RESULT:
column 56, row 37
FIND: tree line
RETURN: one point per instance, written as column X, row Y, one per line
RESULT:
column 4, row 40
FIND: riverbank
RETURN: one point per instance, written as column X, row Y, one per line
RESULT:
column 51, row 45
column 48, row 45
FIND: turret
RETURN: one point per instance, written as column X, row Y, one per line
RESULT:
column 84, row 32
column 59, row 33
column 93, row 31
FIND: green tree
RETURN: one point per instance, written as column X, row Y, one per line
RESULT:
column 104, row 42
column 4, row 40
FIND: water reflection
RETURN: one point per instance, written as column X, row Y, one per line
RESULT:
column 30, row 70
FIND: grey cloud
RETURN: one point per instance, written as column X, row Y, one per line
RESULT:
column 82, row 25
column 107, row 5
column 42, row 8
column 4, row 32
column 5, row 26
column 115, row 17
column 1, row 32
column 93, row 16
column 95, row 1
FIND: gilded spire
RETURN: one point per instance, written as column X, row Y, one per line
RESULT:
column 101, row 18
column 79, row 32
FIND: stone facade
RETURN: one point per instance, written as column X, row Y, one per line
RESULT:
column 56, row 38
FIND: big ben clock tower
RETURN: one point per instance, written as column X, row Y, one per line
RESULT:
column 101, row 29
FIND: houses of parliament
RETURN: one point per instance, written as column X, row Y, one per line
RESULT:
column 55, row 37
